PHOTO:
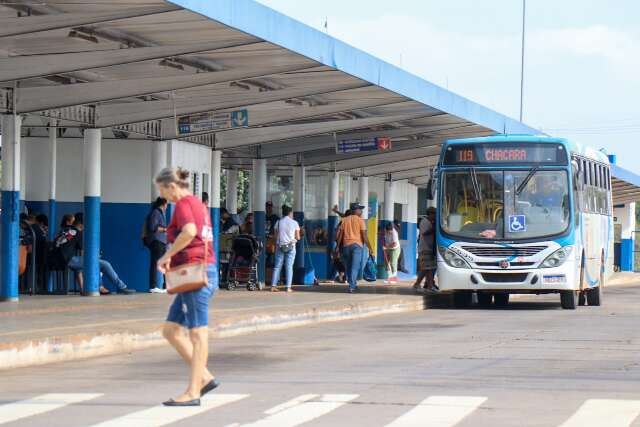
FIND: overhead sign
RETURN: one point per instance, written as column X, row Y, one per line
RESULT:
column 358, row 145
column 212, row 121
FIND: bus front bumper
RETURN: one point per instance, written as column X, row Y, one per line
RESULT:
column 542, row 280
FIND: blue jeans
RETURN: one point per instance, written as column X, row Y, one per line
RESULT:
column 286, row 258
column 76, row 264
column 352, row 259
column 191, row 309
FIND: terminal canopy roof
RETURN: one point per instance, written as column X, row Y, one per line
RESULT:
column 231, row 74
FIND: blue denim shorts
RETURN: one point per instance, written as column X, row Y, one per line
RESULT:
column 191, row 309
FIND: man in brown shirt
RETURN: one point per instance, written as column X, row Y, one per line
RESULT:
column 351, row 238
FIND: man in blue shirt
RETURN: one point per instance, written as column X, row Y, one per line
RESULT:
column 156, row 231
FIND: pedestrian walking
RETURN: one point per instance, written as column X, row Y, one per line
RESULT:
column 190, row 234
column 351, row 238
column 287, row 231
column 156, row 241
column 391, row 245
column 427, row 252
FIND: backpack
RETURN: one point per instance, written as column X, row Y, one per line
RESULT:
column 146, row 236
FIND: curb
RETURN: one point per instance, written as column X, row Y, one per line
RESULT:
column 74, row 347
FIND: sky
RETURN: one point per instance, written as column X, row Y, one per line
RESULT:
column 582, row 57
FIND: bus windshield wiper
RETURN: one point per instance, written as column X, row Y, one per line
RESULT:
column 476, row 185
column 524, row 183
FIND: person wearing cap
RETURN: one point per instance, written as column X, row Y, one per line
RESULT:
column 351, row 238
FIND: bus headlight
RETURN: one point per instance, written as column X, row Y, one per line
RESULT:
column 452, row 259
column 557, row 258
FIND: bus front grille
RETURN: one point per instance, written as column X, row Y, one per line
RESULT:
column 504, row 277
column 503, row 251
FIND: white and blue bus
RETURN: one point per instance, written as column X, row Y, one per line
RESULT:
column 523, row 214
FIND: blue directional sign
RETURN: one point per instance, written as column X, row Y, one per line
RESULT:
column 358, row 145
column 212, row 121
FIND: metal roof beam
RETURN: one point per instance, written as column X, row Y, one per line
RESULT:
column 112, row 114
column 240, row 137
column 34, row 24
column 33, row 99
column 415, row 163
column 30, row 66
column 322, row 142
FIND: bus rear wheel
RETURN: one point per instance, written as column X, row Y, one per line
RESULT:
column 501, row 299
column 569, row 299
column 594, row 295
column 462, row 299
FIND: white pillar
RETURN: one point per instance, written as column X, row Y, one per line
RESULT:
column 11, row 125
column 232, row 191
column 389, row 200
column 298, row 188
column 333, row 198
column 347, row 191
column 363, row 195
column 259, row 198
column 216, row 173
column 92, row 182
column 159, row 154
column 53, row 172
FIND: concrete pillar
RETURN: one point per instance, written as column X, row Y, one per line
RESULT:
column 259, row 199
column 53, row 168
column 298, row 215
column 159, row 161
column 92, row 185
column 214, row 200
column 628, row 222
column 363, row 195
column 232, row 191
column 11, row 125
column 389, row 202
column 347, row 192
column 333, row 199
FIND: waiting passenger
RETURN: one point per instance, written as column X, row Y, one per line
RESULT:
column 427, row 252
column 205, row 198
column 76, row 263
column 391, row 245
column 351, row 238
column 228, row 224
column 156, row 241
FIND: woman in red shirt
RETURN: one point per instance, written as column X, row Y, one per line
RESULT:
column 188, row 233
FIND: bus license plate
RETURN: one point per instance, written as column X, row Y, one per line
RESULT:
column 559, row 278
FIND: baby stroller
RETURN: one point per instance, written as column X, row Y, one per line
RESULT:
column 243, row 262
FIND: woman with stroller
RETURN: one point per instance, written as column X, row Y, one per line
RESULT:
column 190, row 234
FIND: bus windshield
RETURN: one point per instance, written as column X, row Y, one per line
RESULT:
column 505, row 204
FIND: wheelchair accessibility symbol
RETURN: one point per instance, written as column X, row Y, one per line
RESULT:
column 517, row 223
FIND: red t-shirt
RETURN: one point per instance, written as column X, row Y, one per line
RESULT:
column 190, row 209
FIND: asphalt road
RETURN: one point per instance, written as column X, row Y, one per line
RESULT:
column 532, row 364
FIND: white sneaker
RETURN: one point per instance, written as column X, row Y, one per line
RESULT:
column 157, row 291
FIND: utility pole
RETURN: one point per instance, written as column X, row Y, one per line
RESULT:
column 524, row 8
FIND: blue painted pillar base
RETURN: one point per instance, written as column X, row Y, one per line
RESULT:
column 259, row 221
column 53, row 212
column 626, row 255
column 332, row 225
column 215, row 223
column 10, row 245
column 299, row 271
column 91, row 245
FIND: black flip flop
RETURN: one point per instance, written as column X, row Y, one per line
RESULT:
column 210, row 386
column 171, row 402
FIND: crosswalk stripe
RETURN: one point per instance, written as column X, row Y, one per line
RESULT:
column 604, row 412
column 439, row 411
column 291, row 403
column 41, row 404
column 299, row 410
column 163, row 415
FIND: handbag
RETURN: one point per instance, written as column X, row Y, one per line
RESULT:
column 370, row 272
column 188, row 277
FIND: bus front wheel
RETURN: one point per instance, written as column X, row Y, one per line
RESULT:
column 462, row 299
column 501, row 299
column 569, row 299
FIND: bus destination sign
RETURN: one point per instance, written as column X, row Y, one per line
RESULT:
column 525, row 153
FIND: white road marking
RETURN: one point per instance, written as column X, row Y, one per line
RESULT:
column 38, row 405
column 439, row 411
column 163, row 415
column 604, row 412
column 290, row 404
column 302, row 411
